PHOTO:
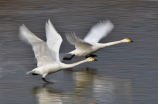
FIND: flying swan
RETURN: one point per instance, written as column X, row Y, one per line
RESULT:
column 47, row 54
column 87, row 46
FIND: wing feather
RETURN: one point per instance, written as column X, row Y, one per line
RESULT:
column 54, row 40
column 98, row 31
column 39, row 47
column 78, row 42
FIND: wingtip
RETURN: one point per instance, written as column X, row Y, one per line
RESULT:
column 105, row 21
column 108, row 22
column 22, row 27
column 69, row 32
column 66, row 33
column 46, row 24
column 49, row 22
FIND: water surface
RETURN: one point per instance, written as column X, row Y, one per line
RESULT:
column 125, row 73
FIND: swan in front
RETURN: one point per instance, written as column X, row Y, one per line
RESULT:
column 89, row 45
column 47, row 53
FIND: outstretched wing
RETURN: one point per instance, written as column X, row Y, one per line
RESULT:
column 74, row 40
column 54, row 40
column 99, row 31
column 39, row 47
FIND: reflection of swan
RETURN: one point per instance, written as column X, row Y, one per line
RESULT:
column 84, row 77
column 47, row 96
column 102, row 89
column 90, row 43
column 89, row 88
column 47, row 54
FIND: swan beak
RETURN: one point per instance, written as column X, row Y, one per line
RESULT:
column 129, row 40
column 94, row 59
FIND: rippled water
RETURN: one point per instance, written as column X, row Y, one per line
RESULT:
column 125, row 73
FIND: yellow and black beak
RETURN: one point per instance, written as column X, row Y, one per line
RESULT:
column 129, row 40
column 94, row 59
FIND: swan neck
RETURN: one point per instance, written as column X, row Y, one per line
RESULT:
column 65, row 66
column 111, row 43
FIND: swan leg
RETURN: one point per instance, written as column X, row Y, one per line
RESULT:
column 34, row 74
column 91, row 55
column 46, row 80
column 43, row 78
column 68, row 58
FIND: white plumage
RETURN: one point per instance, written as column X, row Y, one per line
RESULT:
column 99, row 31
column 47, row 54
column 89, row 45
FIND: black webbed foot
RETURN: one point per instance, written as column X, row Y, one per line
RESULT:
column 86, row 56
column 34, row 74
column 66, row 58
column 91, row 55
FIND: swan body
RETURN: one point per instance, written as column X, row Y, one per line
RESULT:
column 95, row 47
column 89, row 44
column 55, row 67
column 47, row 53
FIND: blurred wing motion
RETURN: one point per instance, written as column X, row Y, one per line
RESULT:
column 54, row 40
column 74, row 40
column 39, row 47
column 99, row 31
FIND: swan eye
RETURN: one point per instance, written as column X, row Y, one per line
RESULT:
column 92, row 59
column 129, row 40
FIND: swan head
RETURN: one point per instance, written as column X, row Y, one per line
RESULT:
column 126, row 40
column 90, row 59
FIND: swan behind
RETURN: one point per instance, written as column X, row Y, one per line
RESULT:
column 89, row 45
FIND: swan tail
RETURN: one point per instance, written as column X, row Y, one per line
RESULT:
column 30, row 72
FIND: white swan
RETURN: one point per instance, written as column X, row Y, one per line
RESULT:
column 47, row 54
column 90, row 44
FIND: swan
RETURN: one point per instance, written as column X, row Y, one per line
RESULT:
column 47, row 53
column 87, row 46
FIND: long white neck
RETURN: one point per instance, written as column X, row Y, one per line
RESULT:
column 102, row 45
column 65, row 66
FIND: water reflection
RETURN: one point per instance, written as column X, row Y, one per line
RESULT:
column 84, row 77
column 101, row 89
column 84, row 80
column 89, row 88
column 47, row 95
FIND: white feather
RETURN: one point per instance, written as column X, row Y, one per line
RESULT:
column 54, row 40
column 41, row 51
column 47, row 54
column 99, row 31
column 90, row 43
column 74, row 40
